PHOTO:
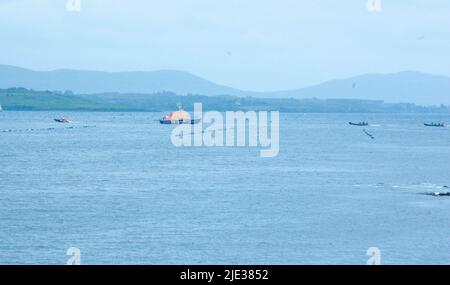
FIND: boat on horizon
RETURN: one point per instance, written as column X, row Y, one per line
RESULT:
column 434, row 125
column 178, row 117
column 62, row 120
column 358, row 124
column 437, row 194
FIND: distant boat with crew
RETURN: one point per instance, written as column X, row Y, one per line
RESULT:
column 178, row 117
column 440, row 125
column 358, row 124
column 437, row 194
column 62, row 120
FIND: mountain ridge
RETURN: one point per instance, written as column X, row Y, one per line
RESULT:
column 404, row 86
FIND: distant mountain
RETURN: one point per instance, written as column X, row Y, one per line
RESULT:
column 411, row 87
column 89, row 82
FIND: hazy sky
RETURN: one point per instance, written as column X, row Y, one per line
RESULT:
column 248, row 44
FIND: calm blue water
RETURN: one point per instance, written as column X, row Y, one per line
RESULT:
column 115, row 187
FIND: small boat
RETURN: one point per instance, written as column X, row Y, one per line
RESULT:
column 178, row 117
column 62, row 120
column 358, row 124
column 434, row 125
column 437, row 194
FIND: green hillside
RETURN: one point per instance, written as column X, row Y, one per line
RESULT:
column 24, row 99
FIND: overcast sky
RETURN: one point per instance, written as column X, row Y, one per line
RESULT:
column 249, row 44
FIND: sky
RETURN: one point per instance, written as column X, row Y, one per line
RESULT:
column 259, row 45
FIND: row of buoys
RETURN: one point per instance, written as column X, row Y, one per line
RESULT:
column 43, row 129
column 205, row 132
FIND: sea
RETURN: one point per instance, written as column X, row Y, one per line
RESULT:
column 113, row 186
